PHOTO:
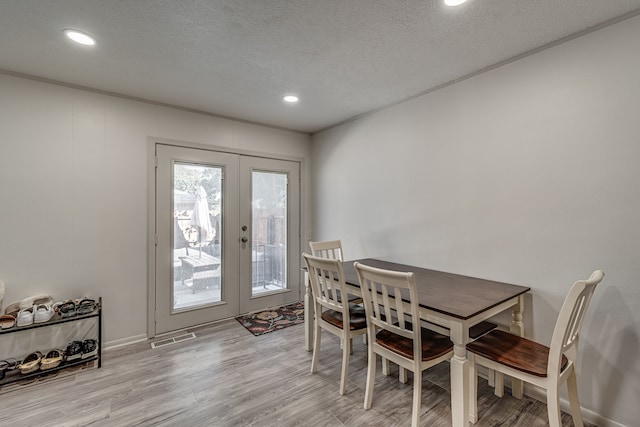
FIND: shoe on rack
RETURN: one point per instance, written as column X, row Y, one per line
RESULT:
column 25, row 316
column 74, row 351
column 65, row 308
column 13, row 309
column 44, row 313
column 7, row 321
column 31, row 363
column 6, row 365
column 53, row 359
column 89, row 348
column 86, row 306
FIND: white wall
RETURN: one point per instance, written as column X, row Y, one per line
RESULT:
column 525, row 174
column 74, row 186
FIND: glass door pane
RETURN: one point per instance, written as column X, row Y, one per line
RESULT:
column 195, row 261
column 269, row 232
column 197, row 202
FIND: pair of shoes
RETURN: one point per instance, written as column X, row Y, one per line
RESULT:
column 89, row 348
column 74, row 350
column 65, row 308
column 25, row 316
column 86, row 306
column 53, row 359
column 36, row 300
column 31, row 363
column 6, row 365
column 43, row 313
column 7, row 321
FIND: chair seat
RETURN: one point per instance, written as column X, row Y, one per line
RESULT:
column 434, row 344
column 514, row 351
column 357, row 317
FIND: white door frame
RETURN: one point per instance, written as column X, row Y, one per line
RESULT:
column 152, row 226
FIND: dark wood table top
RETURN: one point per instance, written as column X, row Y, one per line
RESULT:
column 452, row 294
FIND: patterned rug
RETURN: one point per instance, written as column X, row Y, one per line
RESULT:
column 273, row 319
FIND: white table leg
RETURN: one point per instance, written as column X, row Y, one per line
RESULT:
column 459, row 377
column 309, row 313
column 517, row 328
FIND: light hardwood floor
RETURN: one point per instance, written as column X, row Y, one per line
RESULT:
column 228, row 377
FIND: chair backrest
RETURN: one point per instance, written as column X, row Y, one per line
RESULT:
column 569, row 323
column 383, row 292
column 329, row 249
column 328, row 284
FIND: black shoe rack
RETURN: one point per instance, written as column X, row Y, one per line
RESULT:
column 14, row 375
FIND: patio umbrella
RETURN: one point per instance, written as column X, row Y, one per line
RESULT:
column 200, row 217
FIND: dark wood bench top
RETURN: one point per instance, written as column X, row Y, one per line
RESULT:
column 514, row 351
column 434, row 344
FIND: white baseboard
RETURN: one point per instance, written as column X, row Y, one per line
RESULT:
column 539, row 394
column 596, row 419
column 143, row 337
column 587, row 414
column 124, row 341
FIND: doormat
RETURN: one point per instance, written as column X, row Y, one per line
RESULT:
column 273, row 319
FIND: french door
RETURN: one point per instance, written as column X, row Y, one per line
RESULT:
column 227, row 235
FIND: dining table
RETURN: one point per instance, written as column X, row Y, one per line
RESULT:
column 453, row 302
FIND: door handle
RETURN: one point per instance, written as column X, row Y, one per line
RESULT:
column 244, row 240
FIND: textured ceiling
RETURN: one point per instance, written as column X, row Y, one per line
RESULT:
column 237, row 58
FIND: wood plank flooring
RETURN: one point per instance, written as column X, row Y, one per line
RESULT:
column 228, row 377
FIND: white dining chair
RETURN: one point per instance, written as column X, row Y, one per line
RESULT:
column 529, row 361
column 391, row 304
column 331, row 249
column 332, row 313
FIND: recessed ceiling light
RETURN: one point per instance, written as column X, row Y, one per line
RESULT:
column 454, row 2
column 291, row 99
column 80, row 37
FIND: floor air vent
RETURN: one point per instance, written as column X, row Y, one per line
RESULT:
column 173, row 340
